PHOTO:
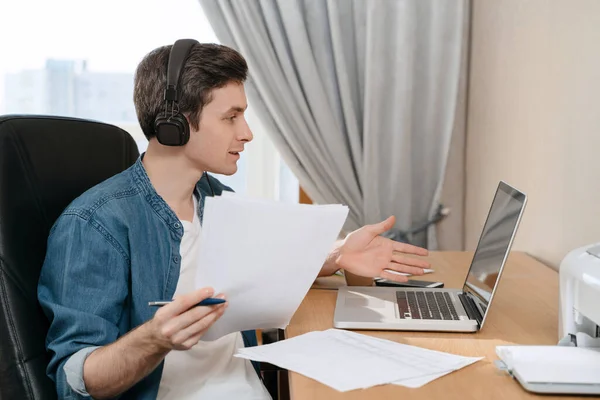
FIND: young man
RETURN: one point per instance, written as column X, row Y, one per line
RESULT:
column 135, row 237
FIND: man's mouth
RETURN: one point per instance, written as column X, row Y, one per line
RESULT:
column 235, row 153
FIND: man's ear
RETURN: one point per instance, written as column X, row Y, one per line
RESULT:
column 190, row 119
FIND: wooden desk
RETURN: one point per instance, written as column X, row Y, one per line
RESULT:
column 524, row 312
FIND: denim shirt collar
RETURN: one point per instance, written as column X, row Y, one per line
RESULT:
column 160, row 206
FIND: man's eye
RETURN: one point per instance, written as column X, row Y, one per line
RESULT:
column 232, row 118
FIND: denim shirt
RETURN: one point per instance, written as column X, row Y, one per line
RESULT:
column 112, row 250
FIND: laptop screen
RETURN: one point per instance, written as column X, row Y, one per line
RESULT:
column 494, row 244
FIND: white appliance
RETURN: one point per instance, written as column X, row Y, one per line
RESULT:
column 572, row 367
column 579, row 312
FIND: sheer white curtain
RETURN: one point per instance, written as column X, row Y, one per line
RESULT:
column 360, row 97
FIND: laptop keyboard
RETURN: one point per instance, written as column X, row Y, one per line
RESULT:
column 425, row 305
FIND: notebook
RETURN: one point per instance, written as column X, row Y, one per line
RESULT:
column 553, row 369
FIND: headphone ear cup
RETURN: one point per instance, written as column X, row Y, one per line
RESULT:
column 158, row 121
column 171, row 130
column 184, row 128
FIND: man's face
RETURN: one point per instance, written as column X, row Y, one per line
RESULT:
column 222, row 132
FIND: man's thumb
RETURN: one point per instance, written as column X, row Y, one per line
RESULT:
column 384, row 226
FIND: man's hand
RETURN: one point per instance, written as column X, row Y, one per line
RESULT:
column 179, row 325
column 112, row 369
column 365, row 253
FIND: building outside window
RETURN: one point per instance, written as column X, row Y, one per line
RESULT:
column 77, row 59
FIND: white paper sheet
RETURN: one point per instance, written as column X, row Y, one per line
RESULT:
column 423, row 380
column 346, row 360
column 264, row 256
column 461, row 362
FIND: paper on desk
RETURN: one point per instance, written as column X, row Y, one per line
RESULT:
column 346, row 360
column 264, row 256
column 423, row 380
column 461, row 362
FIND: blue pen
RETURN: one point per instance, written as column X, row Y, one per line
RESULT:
column 211, row 301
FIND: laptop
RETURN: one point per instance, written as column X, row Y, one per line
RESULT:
column 454, row 310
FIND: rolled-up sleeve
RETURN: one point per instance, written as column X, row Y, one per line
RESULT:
column 73, row 369
column 82, row 290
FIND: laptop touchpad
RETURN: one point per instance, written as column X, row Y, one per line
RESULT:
column 360, row 301
column 370, row 307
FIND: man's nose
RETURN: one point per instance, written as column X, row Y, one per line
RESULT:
column 246, row 133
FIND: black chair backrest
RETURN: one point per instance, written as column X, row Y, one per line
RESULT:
column 45, row 163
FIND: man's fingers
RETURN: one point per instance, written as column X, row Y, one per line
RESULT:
column 415, row 262
column 198, row 327
column 405, row 268
column 188, row 318
column 191, row 342
column 410, row 249
column 393, row 277
column 383, row 226
column 183, row 303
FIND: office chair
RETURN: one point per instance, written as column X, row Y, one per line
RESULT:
column 45, row 163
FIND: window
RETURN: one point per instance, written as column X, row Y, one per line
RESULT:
column 76, row 58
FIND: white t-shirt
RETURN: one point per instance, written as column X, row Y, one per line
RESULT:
column 208, row 370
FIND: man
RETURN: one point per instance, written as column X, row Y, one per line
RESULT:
column 135, row 237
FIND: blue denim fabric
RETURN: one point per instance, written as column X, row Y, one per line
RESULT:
column 112, row 250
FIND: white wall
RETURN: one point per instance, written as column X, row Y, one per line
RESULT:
column 534, row 120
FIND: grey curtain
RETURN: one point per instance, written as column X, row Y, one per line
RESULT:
column 360, row 97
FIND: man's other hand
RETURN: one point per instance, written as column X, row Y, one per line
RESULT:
column 365, row 253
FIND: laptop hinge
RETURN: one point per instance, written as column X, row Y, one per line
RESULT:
column 470, row 307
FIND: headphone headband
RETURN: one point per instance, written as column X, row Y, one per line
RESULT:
column 179, row 53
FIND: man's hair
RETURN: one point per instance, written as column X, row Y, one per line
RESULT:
column 208, row 67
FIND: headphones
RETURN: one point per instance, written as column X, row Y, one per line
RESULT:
column 171, row 127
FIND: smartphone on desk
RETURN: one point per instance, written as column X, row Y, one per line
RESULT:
column 412, row 283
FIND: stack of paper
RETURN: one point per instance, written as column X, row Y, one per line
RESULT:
column 264, row 256
column 346, row 360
